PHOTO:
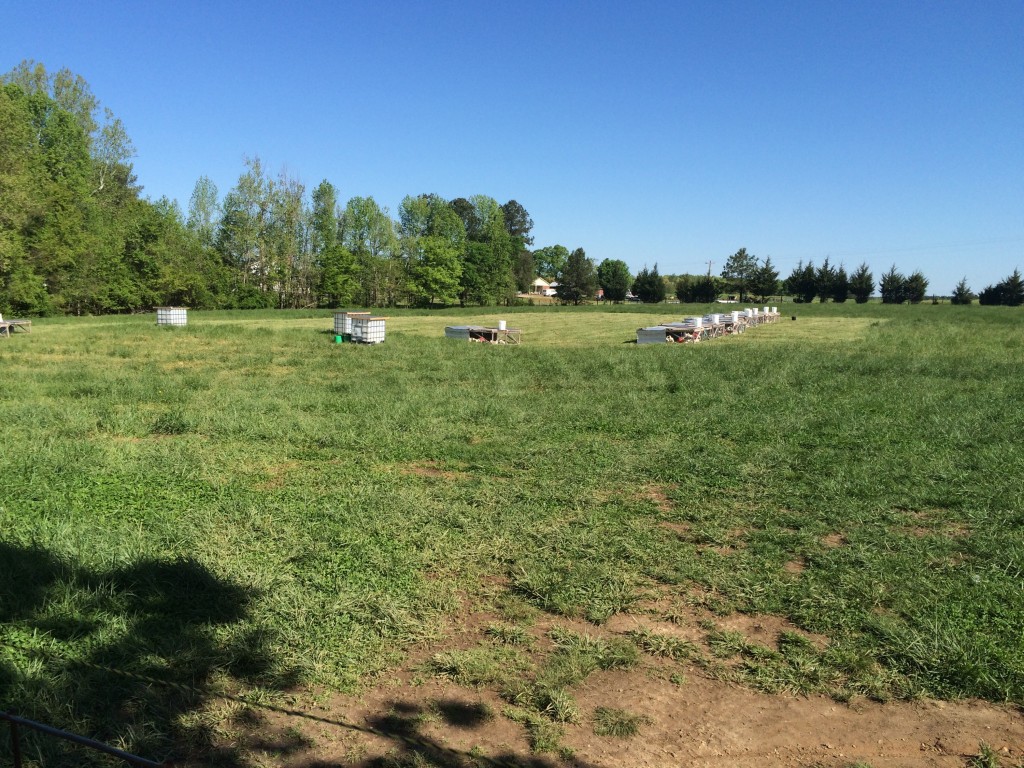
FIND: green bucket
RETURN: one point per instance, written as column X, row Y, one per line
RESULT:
column 338, row 339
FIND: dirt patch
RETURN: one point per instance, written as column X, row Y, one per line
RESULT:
column 433, row 469
column 682, row 529
column 276, row 475
column 834, row 540
column 689, row 717
column 795, row 566
column 766, row 630
column 657, row 495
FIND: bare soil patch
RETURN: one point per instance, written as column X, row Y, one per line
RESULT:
column 433, row 469
column 412, row 718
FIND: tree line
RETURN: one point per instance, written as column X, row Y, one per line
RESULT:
column 77, row 237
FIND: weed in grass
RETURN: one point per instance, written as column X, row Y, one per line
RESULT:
column 543, row 734
column 986, row 758
column 665, row 645
column 489, row 665
column 593, row 652
column 618, row 723
column 514, row 608
column 510, row 635
column 575, row 587
column 725, row 643
column 675, row 616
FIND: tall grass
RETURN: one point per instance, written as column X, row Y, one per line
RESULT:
column 335, row 501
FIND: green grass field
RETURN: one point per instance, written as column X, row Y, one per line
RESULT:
column 241, row 504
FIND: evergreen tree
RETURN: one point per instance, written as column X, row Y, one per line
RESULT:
column 802, row 283
column 824, row 281
column 765, row 280
column 962, row 293
column 699, row 289
column 1013, row 290
column 524, row 270
column 915, row 287
column 648, row 286
column 893, row 287
column 840, row 286
column 862, row 284
column 740, row 269
column 1008, row 292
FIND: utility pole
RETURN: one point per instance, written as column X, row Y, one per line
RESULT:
column 709, row 267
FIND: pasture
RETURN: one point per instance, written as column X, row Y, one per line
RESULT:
column 242, row 505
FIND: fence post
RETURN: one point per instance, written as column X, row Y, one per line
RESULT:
column 15, row 745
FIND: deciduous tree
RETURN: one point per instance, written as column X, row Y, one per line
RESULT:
column 614, row 279
column 550, row 260
column 578, row 281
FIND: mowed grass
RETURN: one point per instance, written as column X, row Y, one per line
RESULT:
column 241, row 504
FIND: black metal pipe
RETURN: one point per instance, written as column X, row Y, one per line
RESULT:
column 99, row 746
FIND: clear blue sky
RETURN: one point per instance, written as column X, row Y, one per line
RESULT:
column 669, row 132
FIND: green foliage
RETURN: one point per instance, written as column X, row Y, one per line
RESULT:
column 824, row 281
column 518, row 223
column 614, row 278
column 986, row 758
column 962, row 293
column 740, row 270
column 802, row 282
column 764, row 281
column 862, row 284
column 75, row 237
column 1008, row 292
column 487, row 276
column 648, row 286
column 893, row 287
column 840, row 286
column 433, row 241
column 551, row 260
column 544, row 735
column 577, row 283
column 702, row 289
column 916, row 287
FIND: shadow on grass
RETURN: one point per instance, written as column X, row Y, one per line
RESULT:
column 64, row 628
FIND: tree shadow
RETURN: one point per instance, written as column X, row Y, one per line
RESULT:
column 126, row 655
column 403, row 724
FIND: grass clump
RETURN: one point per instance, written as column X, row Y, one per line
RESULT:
column 478, row 667
column 618, row 723
column 543, row 734
column 664, row 645
column 509, row 634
